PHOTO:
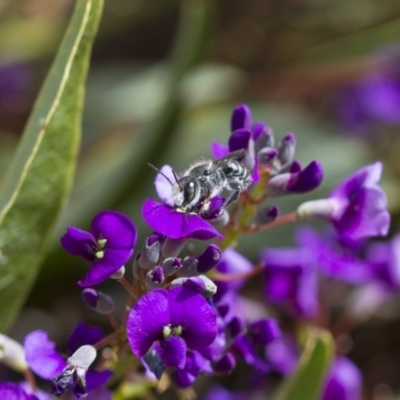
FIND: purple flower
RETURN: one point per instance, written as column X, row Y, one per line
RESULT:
column 335, row 256
column 357, row 208
column 343, row 381
column 291, row 279
column 13, row 391
column 107, row 247
column 166, row 318
column 175, row 224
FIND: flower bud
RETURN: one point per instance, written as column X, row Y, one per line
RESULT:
column 265, row 215
column 98, row 301
column 200, row 284
column 264, row 331
column 225, row 364
column 136, row 267
column 241, row 117
column 151, row 251
column 154, row 278
column 287, row 149
column 263, row 136
column 172, row 247
column 118, row 274
column 12, row 354
column 171, row 265
column 322, row 208
column 267, row 155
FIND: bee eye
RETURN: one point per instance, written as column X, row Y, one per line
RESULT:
column 188, row 191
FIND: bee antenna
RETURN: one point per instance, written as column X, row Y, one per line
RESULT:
column 165, row 176
column 177, row 180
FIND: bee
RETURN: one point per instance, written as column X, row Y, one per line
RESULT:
column 193, row 191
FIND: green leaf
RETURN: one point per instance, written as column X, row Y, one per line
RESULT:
column 40, row 176
column 306, row 381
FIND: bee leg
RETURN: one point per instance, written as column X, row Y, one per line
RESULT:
column 233, row 197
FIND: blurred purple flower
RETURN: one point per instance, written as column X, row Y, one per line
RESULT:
column 357, row 208
column 291, row 278
column 343, row 382
column 107, row 247
column 167, row 319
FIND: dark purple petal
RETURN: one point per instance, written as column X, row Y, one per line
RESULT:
column 264, row 331
column 199, row 328
column 103, row 268
column 173, row 352
column 245, row 349
column 116, row 227
column 344, row 381
column 208, row 259
column 147, row 319
column 239, row 140
column 219, row 150
column 226, row 364
column 79, row 243
column 306, row 180
column 176, row 224
column 95, row 379
column 220, row 393
column 41, row 355
column 83, row 334
column 241, row 117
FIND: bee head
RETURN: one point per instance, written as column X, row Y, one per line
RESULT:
column 187, row 193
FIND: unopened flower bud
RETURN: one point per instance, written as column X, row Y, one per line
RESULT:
column 154, row 278
column 151, row 251
column 74, row 375
column 171, row 265
column 263, row 136
column 172, row 247
column 225, row 364
column 322, row 208
column 265, row 215
column 286, row 149
column 12, row 354
column 264, row 331
column 267, row 155
column 136, row 267
column 201, row 284
column 98, row 301
column 118, row 274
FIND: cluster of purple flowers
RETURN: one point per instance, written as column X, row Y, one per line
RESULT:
column 185, row 315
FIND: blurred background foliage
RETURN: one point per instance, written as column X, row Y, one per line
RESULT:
column 164, row 78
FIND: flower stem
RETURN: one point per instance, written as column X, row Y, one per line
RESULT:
column 107, row 340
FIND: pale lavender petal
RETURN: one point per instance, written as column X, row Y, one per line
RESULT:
column 12, row 391
column 163, row 185
column 41, row 355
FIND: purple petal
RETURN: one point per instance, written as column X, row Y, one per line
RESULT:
column 173, row 352
column 239, row 140
column 344, row 381
column 176, row 224
column 95, row 379
column 306, row 180
column 12, row 391
column 147, row 319
column 264, row 331
column 103, row 268
column 116, row 227
column 219, row 150
column 246, row 350
column 41, row 355
column 241, row 117
column 199, row 328
column 83, row 334
column 79, row 243
column 163, row 186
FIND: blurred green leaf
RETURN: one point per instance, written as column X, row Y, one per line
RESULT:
column 40, row 176
column 307, row 380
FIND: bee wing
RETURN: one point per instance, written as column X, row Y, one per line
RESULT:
column 236, row 155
